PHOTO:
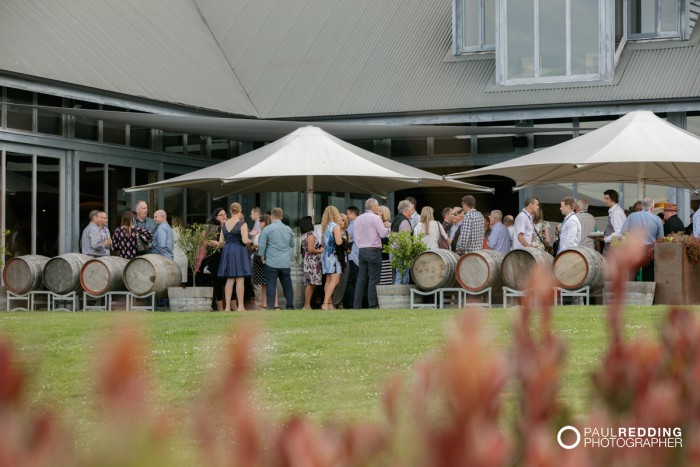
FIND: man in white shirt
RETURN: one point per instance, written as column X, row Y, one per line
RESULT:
column 524, row 228
column 570, row 235
column 616, row 216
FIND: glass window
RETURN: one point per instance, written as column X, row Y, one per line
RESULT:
column 91, row 190
column 220, row 149
column 19, row 118
column 545, row 140
column 669, row 16
column 18, row 216
column 653, row 18
column 86, row 128
column 173, row 143
column 48, row 122
column 48, row 180
column 140, row 137
column 551, row 40
column 409, row 147
column 196, row 145
column 113, row 133
column 173, row 198
column 119, row 178
column 693, row 123
column 476, row 25
column 584, row 38
column 144, row 177
column 366, row 144
column 451, row 146
column 197, row 211
column 520, row 43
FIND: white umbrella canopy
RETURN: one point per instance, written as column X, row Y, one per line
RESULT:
column 309, row 159
column 637, row 148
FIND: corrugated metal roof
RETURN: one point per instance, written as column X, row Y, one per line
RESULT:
column 153, row 49
column 302, row 58
column 306, row 58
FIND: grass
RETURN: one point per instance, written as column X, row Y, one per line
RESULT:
column 328, row 365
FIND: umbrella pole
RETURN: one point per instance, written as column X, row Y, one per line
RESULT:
column 310, row 196
column 641, row 183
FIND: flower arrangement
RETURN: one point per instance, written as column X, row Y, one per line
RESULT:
column 692, row 245
column 404, row 247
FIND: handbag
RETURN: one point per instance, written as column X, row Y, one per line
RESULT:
column 443, row 243
column 142, row 245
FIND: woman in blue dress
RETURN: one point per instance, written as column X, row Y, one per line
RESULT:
column 235, row 259
column 330, row 264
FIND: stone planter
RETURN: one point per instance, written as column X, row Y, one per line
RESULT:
column 190, row 298
column 676, row 277
column 637, row 293
column 394, row 296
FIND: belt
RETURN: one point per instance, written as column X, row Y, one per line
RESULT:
column 373, row 248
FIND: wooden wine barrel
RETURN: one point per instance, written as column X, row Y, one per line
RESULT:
column 579, row 267
column 516, row 266
column 435, row 269
column 151, row 273
column 101, row 275
column 24, row 273
column 62, row 273
column 479, row 270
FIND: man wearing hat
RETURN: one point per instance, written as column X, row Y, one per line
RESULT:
column 672, row 223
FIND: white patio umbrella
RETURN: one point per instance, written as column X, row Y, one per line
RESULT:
column 309, row 159
column 637, row 148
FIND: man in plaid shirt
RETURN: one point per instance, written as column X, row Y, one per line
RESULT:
column 472, row 228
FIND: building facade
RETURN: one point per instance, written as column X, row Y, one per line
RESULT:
column 574, row 64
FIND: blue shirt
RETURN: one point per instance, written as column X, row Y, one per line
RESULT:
column 354, row 255
column 163, row 243
column 499, row 239
column 646, row 223
column 147, row 224
column 276, row 243
column 696, row 224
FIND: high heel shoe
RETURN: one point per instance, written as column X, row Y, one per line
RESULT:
column 327, row 306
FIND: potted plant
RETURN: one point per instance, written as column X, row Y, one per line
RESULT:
column 403, row 248
column 189, row 239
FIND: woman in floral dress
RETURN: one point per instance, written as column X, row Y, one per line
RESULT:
column 124, row 237
column 312, row 248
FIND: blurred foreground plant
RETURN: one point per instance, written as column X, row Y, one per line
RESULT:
column 446, row 412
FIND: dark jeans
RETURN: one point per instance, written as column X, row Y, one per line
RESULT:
column 349, row 297
column 368, row 277
column 285, row 276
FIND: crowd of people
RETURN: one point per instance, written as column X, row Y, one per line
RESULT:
column 343, row 258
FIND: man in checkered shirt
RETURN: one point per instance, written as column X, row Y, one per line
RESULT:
column 472, row 228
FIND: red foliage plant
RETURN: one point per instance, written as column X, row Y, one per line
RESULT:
column 447, row 412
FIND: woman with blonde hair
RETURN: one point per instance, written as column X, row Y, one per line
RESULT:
column 331, row 267
column 235, row 259
column 432, row 229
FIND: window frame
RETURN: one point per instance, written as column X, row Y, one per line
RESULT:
column 606, row 46
column 682, row 25
column 458, row 46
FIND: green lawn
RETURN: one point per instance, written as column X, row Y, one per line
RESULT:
column 321, row 363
